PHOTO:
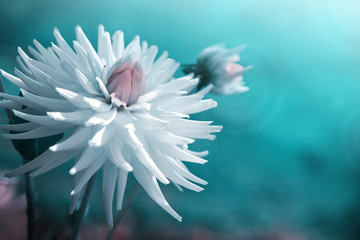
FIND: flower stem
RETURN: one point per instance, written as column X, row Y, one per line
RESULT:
column 29, row 185
column 30, row 200
column 122, row 213
column 83, row 205
column 2, row 89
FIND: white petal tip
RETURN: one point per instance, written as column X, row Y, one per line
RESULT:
column 200, row 189
column 213, row 104
column 78, row 28
column 88, row 124
column 204, row 161
column 248, row 68
column 93, row 143
column 128, row 167
column 212, row 137
column 72, row 171
column 54, row 148
column 55, row 115
column 205, row 153
column 165, row 181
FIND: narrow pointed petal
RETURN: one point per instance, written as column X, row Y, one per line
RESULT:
column 54, row 162
column 77, row 117
column 121, row 184
column 20, row 127
column 101, row 137
column 35, row 133
column 116, row 156
column 109, row 182
column 10, row 105
column 150, row 185
column 35, row 163
column 88, row 157
column 74, row 141
column 88, row 173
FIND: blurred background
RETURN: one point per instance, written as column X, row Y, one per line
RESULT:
column 286, row 165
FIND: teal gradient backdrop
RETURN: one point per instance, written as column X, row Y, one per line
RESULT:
column 288, row 155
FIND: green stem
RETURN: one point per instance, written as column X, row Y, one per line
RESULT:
column 2, row 89
column 83, row 205
column 29, row 186
column 122, row 213
column 30, row 200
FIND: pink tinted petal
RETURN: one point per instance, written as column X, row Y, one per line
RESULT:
column 136, row 85
column 233, row 68
column 126, row 83
column 12, row 212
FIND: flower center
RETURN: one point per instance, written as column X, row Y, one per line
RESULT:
column 233, row 71
column 233, row 68
column 126, row 83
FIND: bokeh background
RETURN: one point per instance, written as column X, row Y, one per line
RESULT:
column 287, row 163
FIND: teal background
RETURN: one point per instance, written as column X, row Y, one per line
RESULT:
column 288, row 156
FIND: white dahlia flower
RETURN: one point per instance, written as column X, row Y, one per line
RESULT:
column 217, row 65
column 120, row 109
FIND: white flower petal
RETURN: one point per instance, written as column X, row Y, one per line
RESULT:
column 35, row 54
column 180, row 154
column 17, row 81
column 101, row 137
column 121, row 184
column 21, row 101
column 118, row 44
column 63, row 44
column 38, row 119
column 45, row 55
column 84, row 42
column 54, row 162
column 98, row 104
column 35, row 133
column 174, row 176
column 217, row 65
column 137, row 121
column 76, row 99
column 85, row 83
column 36, row 163
column 76, row 196
column 47, row 103
column 83, row 58
column 76, row 117
column 20, row 127
column 109, row 181
column 74, row 141
column 88, row 157
column 116, row 156
column 35, row 87
column 10, row 105
column 88, row 173
column 22, row 65
column 103, row 118
column 179, row 167
column 150, row 185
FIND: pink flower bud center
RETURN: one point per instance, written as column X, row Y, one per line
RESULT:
column 233, row 68
column 126, row 83
column 233, row 72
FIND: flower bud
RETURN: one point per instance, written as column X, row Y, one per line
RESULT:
column 126, row 82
